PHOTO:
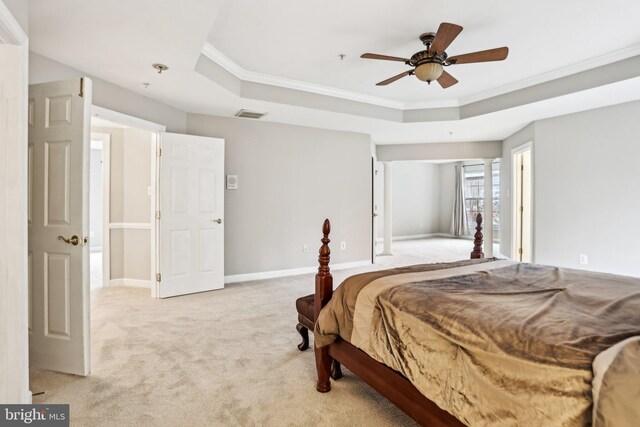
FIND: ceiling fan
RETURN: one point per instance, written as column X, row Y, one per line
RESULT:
column 428, row 65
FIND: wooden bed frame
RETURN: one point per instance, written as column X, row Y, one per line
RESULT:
column 389, row 383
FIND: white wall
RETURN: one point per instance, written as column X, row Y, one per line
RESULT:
column 95, row 200
column 108, row 95
column 415, row 190
column 290, row 179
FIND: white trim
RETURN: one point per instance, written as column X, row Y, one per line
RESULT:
column 10, row 30
column 130, row 226
column 153, row 222
column 136, row 283
column 291, row 272
column 225, row 62
column 125, row 119
column 14, row 335
column 105, row 140
column 598, row 61
column 413, row 237
column 245, row 75
column 514, row 152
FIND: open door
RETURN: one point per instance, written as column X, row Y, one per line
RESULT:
column 58, row 217
column 191, row 215
column 522, row 250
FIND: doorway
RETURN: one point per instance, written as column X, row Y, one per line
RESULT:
column 122, row 203
column 522, row 185
column 98, row 202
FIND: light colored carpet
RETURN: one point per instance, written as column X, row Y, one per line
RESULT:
column 226, row 357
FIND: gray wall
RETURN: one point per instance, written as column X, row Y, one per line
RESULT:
column 440, row 151
column 415, row 198
column 585, row 184
column 587, row 189
column 108, row 95
column 290, row 179
column 130, row 202
column 447, row 191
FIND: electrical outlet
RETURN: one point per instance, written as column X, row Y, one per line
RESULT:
column 305, row 248
column 343, row 245
column 148, row 190
column 584, row 259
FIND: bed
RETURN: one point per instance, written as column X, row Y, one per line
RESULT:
column 486, row 341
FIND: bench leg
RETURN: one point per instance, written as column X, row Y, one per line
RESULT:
column 336, row 370
column 304, row 333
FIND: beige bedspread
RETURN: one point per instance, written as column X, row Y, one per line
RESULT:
column 492, row 342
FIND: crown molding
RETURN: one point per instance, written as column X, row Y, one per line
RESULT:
column 10, row 30
column 228, row 64
column 568, row 70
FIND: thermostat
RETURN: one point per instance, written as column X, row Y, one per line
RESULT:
column 232, row 182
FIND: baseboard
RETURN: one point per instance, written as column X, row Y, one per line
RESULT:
column 137, row 283
column 290, row 272
column 413, row 237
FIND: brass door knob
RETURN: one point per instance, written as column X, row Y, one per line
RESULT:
column 74, row 240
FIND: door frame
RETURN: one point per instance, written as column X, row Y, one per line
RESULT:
column 155, row 129
column 514, row 211
column 105, row 138
column 14, row 332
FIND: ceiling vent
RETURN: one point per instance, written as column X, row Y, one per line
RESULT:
column 249, row 114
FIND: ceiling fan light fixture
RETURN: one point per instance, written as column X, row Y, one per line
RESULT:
column 429, row 71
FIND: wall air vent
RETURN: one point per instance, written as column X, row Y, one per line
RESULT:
column 249, row 114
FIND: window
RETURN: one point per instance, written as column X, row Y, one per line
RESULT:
column 474, row 194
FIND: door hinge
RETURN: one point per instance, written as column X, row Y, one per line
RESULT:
column 520, row 251
column 158, row 277
column 159, row 152
column 521, row 167
column 158, row 215
column 82, row 88
column 521, row 209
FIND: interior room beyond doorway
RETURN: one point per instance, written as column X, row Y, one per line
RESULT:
column 122, row 183
column 435, row 200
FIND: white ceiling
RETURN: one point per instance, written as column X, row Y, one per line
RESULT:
column 300, row 41
column 303, row 40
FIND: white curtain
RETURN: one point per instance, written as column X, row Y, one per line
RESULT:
column 459, row 226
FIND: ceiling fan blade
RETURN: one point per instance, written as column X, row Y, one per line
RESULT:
column 383, row 57
column 444, row 36
column 446, row 80
column 497, row 54
column 394, row 78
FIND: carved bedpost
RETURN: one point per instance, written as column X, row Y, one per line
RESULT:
column 477, row 239
column 324, row 290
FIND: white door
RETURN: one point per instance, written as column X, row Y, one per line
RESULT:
column 58, row 208
column 191, row 215
column 522, row 206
